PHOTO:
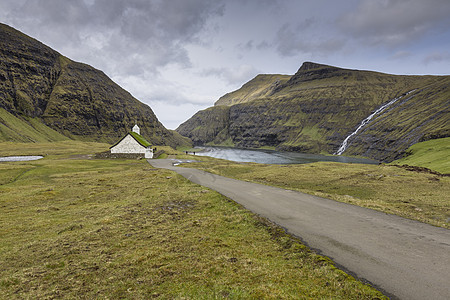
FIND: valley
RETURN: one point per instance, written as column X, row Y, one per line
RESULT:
column 315, row 110
column 74, row 223
column 120, row 228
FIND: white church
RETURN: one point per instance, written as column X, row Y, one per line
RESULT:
column 133, row 143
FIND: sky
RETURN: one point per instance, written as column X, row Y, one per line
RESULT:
column 180, row 56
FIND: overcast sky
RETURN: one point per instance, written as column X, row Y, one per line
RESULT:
column 180, row 56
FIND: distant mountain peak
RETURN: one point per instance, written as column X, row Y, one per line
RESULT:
column 317, row 108
column 307, row 65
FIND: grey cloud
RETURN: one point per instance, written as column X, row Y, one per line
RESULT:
column 246, row 46
column 437, row 57
column 291, row 41
column 400, row 55
column 132, row 35
column 233, row 76
column 53, row 12
column 263, row 45
column 395, row 22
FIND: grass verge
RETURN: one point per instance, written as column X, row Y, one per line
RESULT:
column 414, row 195
column 77, row 228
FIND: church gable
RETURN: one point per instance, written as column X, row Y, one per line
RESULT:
column 133, row 143
column 128, row 144
column 140, row 139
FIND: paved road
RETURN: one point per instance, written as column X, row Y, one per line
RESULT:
column 404, row 258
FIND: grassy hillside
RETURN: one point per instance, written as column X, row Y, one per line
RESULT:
column 319, row 106
column 433, row 154
column 208, row 126
column 26, row 129
column 260, row 86
column 72, row 98
column 115, row 229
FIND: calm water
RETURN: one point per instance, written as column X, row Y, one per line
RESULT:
column 275, row 157
column 20, row 158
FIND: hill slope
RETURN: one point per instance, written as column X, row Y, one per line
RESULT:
column 432, row 154
column 318, row 107
column 260, row 86
column 37, row 84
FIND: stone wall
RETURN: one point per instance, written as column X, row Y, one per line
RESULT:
column 107, row 155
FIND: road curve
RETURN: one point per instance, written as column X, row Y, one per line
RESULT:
column 406, row 259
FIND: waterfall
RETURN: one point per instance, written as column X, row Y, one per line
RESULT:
column 364, row 122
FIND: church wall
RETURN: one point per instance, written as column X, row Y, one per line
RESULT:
column 128, row 145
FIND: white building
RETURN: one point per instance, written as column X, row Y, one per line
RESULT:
column 133, row 142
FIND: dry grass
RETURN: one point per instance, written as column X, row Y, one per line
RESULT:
column 419, row 196
column 53, row 149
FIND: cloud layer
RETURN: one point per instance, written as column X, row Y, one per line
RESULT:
column 396, row 22
column 179, row 56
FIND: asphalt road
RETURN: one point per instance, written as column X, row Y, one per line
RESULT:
column 403, row 258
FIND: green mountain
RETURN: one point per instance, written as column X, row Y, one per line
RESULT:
column 261, row 86
column 46, row 96
column 317, row 108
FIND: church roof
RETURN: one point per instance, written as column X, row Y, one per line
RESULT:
column 139, row 138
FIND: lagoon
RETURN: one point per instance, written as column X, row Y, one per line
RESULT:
column 275, row 157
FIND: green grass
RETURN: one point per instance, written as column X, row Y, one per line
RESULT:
column 432, row 154
column 63, row 149
column 28, row 129
column 260, row 86
column 418, row 196
column 78, row 228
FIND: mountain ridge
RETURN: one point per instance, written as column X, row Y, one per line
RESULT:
column 75, row 99
column 317, row 107
column 260, row 86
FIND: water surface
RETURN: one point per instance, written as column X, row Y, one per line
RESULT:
column 275, row 157
column 20, row 158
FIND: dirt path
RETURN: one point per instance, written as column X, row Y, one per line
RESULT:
column 404, row 258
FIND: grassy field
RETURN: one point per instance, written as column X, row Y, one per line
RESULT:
column 87, row 228
column 64, row 149
column 419, row 196
column 432, row 154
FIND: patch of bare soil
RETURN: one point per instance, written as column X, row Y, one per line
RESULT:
column 420, row 170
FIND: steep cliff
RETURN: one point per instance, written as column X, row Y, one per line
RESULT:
column 319, row 106
column 75, row 99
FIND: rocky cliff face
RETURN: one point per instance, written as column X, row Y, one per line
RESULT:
column 209, row 125
column 315, row 109
column 72, row 98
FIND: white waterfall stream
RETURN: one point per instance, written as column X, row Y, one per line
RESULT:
column 364, row 122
